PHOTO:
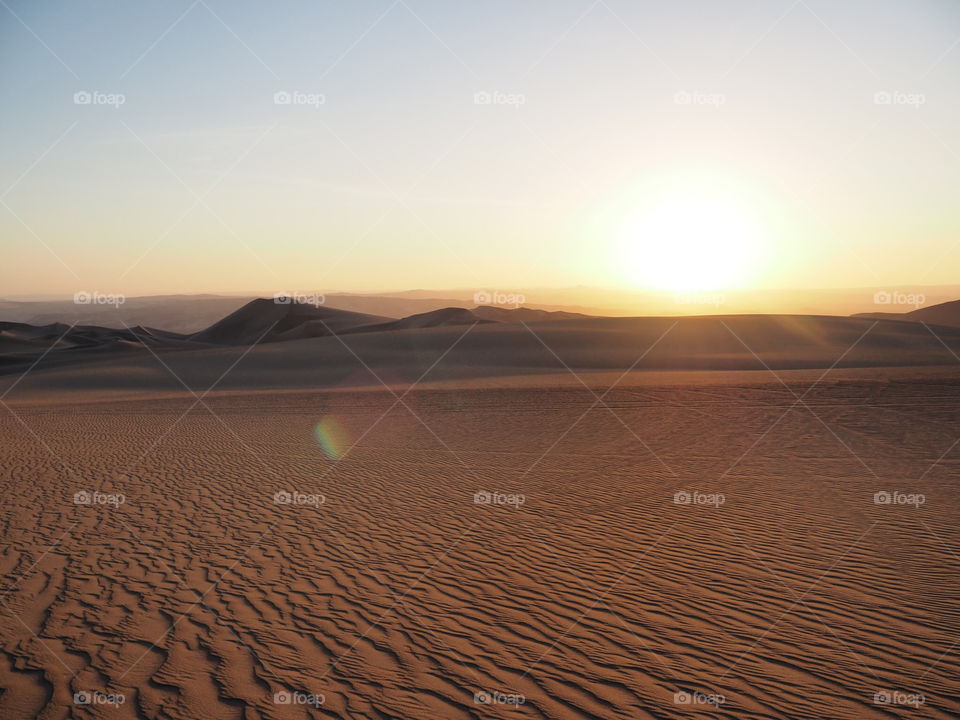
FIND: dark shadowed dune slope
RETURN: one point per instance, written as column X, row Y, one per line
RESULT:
column 271, row 321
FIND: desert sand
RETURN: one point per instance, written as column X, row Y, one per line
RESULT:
column 296, row 530
column 401, row 596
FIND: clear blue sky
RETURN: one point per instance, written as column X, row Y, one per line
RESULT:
column 200, row 181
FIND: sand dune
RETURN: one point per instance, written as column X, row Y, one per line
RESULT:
column 445, row 317
column 266, row 320
column 757, row 522
column 495, row 349
column 523, row 314
column 423, row 586
column 188, row 314
column 945, row 314
column 497, row 341
column 21, row 342
column 177, row 313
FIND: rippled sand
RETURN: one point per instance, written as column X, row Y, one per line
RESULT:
column 714, row 551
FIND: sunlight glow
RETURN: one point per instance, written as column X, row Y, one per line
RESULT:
column 691, row 241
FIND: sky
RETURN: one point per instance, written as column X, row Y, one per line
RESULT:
column 213, row 146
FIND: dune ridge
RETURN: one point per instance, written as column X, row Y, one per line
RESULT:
column 296, row 346
column 946, row 314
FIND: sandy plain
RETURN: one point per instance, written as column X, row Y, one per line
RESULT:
column 662, row 549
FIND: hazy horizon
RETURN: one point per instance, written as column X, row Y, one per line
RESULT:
column 166, row 311
column 439, row 291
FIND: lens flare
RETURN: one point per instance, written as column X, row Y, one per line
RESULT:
column 332, row 437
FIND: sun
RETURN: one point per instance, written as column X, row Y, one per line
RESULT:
column 691, row 241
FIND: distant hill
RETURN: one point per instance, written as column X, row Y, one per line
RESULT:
column 440, row 345
column 175, row 313
column 270, row 320
column 497, row 343
column 189, row 314
column 20, row 336
column 947, row 314
column 434, row 318
column 21, row 345
column 523, row 314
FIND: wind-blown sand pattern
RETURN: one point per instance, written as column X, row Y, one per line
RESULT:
column 403, row 594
